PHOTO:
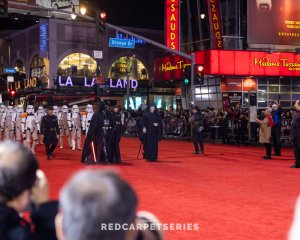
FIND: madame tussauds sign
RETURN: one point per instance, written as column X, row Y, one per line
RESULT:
column 89, row 82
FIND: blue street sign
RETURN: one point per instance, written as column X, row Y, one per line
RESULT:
column 121, row 43
column 10, row 70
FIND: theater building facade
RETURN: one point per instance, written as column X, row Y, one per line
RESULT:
column 65, row 55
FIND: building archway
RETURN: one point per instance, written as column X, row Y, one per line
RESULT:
column 19, row 65
column 78, row 65
column 135, row 68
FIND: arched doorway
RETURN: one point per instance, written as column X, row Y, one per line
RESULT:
column 77, row 65
column 19, row 65
column 136, row 69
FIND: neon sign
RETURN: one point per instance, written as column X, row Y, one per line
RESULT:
column 43, row 38
column 90, row 82
column 136, row 40
column 215, row 23
column 172, row 24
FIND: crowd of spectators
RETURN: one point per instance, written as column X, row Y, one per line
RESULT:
column 231, row 124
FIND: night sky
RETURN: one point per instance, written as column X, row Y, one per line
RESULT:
column 129, row 13
column 134, row 13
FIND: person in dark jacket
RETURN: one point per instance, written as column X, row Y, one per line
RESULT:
column 50, row 130
column 241, row 125
column 276, row 129
column 197, row 122
column 21, row 180
column 116, row 137
column 97, row 146
column 152, row 129
column 295, row 129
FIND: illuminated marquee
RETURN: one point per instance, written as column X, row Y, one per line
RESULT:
column 215, row 23
column 172, row 24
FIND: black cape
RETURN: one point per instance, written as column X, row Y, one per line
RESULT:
column 97, row 146
column 153, row 134
column 116, row 138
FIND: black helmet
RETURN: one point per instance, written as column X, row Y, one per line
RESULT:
column 102, row 105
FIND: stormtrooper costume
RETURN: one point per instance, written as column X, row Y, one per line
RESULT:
column 39, row 115
column 63, row 126
column 55, row 111
column 2, row 112
column 74, row 123
column 8, row 123
column 18, row 122
column 30, row 128
column 86, row 119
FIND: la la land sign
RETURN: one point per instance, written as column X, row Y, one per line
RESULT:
column 88, row 82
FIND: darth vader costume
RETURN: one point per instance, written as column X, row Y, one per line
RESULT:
column 116, row 136
column 152, row 129
column 97, row 146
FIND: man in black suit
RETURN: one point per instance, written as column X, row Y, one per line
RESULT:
column 295, row 128
column 50, row 130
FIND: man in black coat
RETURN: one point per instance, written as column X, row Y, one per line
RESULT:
column 116, row 137
column 50, row 130
column 197, row 122
column 97, row 146
column 21, row 180
column 152, row 130
column 295, row 129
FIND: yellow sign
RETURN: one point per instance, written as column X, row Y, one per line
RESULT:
column 282, row 62
column 169, row 67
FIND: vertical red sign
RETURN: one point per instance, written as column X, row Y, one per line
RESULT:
column 172, row 35
column 215, row 23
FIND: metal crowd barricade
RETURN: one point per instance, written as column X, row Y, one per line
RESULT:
column 286, row 137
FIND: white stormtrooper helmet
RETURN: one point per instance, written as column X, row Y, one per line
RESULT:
column 75, row 109
column 55, row 110
column 41, row 110
column 19, row 109
column 10, row 110
column 89, row 108
column 2, row 108
column 30, row 109
column 65, row 109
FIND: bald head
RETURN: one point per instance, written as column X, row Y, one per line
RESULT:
column 92, row 198
column 18, row 168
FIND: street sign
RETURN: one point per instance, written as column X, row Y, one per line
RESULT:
column 121, row 43
column 10, row 70
column 97, row 54
column 10, row 79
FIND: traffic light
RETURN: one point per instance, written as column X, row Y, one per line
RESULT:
column 100, row 21
column 3, row 8
column 199, row 74
column 13, row 93
column 187, row 76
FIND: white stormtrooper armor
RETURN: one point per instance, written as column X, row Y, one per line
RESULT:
column 86, row 119
column 30, row 128
column 55, row 111
column 18, row 122
column 8, row 123
column 63, row 126
column 74, row 122
column 39, row 115
column 2, row 112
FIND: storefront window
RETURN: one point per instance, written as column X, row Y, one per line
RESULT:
column 134, row 102
column 284, row 90
column 134, row 66
column 37, row 68
column 78, row 65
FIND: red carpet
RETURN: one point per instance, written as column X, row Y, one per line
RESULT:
column 230, row 192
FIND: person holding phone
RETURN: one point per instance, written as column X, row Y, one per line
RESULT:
column 295, row 129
